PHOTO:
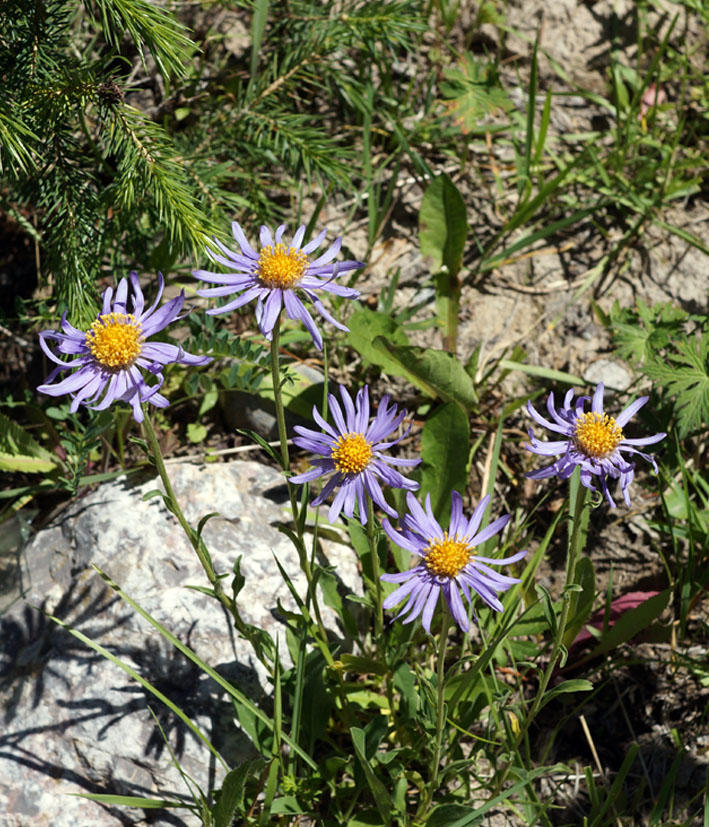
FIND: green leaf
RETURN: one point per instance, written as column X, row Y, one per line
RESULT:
column 24, row 464
column 577, row 685
column 287, row 805
column 685, row 374
column 639, row 334
column 436, row 372
column 548, row 607
column 20, row 452
column 362, row 666
column 544, row 373
column 381, row 797
column 365, row 325
column 131, row 801
column 405, row 685
column 196, row 432
column 231, row 796
column 444, row 450
column 472, row 90
column 443, row 225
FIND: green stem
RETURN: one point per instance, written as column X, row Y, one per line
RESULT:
column 311, row 596
column 576, row 514
column 174, row 506
column 372, row 539
column 278, row 402
column 571, row 560
column 440, row 713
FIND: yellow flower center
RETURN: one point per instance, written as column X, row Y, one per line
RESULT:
column 351, row 453
column 115, row 340
column 447, row 556
column 597, row 435
column 281, row 267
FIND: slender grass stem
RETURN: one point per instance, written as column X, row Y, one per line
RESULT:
column 440, row 714
column 574, row 550
column 571, row 561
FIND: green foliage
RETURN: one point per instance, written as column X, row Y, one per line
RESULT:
column 443, row 228
column 364, row 327
column 243, row 363
column 21, row 452
column 437, row 373
column 169, row 42
column 445, row 460
column 640, row 335
column 671, row 348
column 119, row 180
column 472, row 90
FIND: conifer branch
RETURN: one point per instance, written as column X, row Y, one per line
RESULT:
column 168, row 40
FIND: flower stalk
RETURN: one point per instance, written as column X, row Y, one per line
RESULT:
column 306, row 568
column 574, row 550
column 440, row 715
column 374, row 552
column 173, row 504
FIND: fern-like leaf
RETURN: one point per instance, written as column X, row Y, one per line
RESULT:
column 685, row 375
column 472, row 90
column 640, row 335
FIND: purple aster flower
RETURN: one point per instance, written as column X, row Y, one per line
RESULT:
column 449, row 562
column 109, row 355
column 354, row 451
column 274, row 273
column 592, row 440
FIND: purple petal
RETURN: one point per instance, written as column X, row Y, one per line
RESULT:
column 597, row 403
column 242, row 241
column 623, row 418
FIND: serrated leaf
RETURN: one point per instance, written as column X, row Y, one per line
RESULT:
column 685, row 375
column 436, row 372
column 640, row 334
column 231, row 797
column 472, row 90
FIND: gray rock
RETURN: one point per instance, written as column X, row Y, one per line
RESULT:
column 73, row 721
column 613, row 374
